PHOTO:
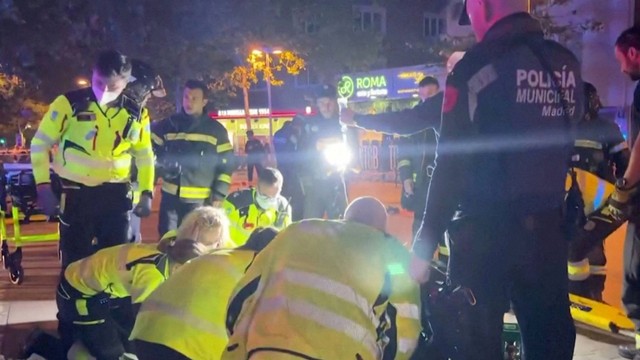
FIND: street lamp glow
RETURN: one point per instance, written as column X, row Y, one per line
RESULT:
column 276, row 51
column 256, row 52
column 82, row 82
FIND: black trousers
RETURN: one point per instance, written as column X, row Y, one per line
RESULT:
column 253, row 165
column 292, row 191
column 102, row 325
column 522, row 259
column 172, row 211
column 93, row 218
column 631, row 284
column 324, row 196
column 151, row 351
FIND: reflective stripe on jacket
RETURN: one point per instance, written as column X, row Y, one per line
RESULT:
column 187, row 313
column 121, row 271
column 327, row 290
column 91, row 147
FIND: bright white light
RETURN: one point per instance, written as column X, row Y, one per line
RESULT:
column 337, row 155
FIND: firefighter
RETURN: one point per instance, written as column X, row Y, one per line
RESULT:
column 98, row 131
column 602, row 152
column 322, row 182
column 194, row 158
column 498, row 190
column 263, row 206
column 185, row 317
column 328, row 289
column 131, row 271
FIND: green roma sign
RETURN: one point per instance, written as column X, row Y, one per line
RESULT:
column 362, row 86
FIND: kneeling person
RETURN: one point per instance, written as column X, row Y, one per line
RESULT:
column 133, row 271
column 263, row 206
column 185, row 317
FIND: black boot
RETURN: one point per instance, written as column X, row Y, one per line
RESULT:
column 629, row 352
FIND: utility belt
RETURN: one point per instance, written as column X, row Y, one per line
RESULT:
column 79, row 308
column 106, row 197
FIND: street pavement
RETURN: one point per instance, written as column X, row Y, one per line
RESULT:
column 24, row 307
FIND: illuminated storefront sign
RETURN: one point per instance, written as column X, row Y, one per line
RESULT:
column 397, row 83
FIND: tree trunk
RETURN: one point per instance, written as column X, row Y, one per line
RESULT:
column 245, row 93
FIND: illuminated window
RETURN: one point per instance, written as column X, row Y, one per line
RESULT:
column 434, row 25
column 370, row 18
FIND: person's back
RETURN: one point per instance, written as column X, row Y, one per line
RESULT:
column 502, row 160
column 327, row 286
column 522, row 139
column 192, row 304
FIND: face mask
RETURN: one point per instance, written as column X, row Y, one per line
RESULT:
column 265, row 202
column 105, row 97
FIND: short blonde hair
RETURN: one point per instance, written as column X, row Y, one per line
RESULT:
column 206, row 225
column 204, row 228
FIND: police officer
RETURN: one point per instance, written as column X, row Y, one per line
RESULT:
column 98, row 132
column 285, row 145
column 502, row 159
column 263, row 206
column 323, row 185
column 194, row 158
column 601, row 156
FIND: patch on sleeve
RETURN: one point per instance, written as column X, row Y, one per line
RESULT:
column 54, row 115
column 451, row 95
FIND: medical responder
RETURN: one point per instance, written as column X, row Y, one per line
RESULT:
column 327, row 289
column 98, row 132
column 601, row 156
column 194, row 158
column 262, row 206
column 285, row 145
column 320, row 172
column 128, row 271
column 502, row 158
column 185, row 317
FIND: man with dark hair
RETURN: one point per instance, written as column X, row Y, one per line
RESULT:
column 627, row 52
column 194, row 158
column 498, row 190
column 98, row 130
column 255, row 151
column 262, row 206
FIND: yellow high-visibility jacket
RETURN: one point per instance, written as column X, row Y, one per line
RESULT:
column 92, row 146
column 121, row 271
column 187, row 313
column 245, row 215
column 326, row 290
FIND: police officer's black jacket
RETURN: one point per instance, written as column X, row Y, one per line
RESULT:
column 599, row 145
column 423, row 116
column 504, row 143
column 311, row 161
column 201, row 148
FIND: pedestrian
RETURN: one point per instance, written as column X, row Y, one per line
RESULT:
column 256, row 153
column 285, row 144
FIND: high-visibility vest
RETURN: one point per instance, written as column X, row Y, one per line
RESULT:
column 245, row 215
column 187, row 313
column 92, row 149
column 121, row 271
column 326, row 290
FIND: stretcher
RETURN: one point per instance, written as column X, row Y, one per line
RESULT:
column 19, row 184
column 601, row 316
